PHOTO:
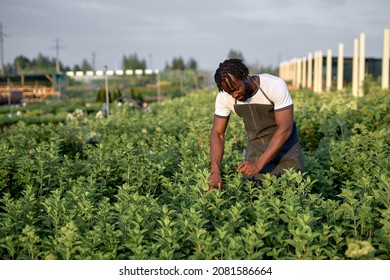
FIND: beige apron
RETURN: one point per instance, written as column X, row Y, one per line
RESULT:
column 260, row 126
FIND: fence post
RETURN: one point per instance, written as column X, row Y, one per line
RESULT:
column 362, row 64
column 318, row 72
column 385, row 60
column 283, row 70
column 298, row 65
column 288, row 70
column 328, row 70
column 310, row 71
column 304, row 72
column 294, row 72
column 280, row 73
column 340, row 67
column 355, row 70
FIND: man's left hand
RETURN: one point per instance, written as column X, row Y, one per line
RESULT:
column 248, row 168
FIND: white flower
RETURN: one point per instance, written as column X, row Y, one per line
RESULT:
column 78, row 113
column 70, row 118
column 99, row 115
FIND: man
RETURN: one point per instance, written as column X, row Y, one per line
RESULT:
column 265, row 105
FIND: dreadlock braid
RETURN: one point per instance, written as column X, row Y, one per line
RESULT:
column 232, row 66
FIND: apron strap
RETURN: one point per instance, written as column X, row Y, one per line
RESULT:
column 273, row 104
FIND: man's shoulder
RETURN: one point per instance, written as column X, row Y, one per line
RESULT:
column 270, row 78
column 222, row 96
column 273, row 83
column 223, row 104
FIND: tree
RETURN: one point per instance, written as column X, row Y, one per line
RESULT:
column 178, row 63
column 22, row 63
column 85, row 66
column 235, row 54
column 43, row 63
column 101, row 95
column 116, row 94
column 9, row 69
column 133, row 62
column 76, row 68
column 192, row 64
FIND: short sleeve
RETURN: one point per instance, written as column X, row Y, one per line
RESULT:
column 281, row 95
column 221, row 105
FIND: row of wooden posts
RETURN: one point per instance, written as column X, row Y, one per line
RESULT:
column 302, row 74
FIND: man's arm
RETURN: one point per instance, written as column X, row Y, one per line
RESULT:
column 285, row 121
column 217, row 139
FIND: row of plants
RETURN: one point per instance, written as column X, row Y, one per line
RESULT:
column 44, row 113
column 169, row 83
column 134, row 186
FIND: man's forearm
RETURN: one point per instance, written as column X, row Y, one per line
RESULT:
column 216, row 152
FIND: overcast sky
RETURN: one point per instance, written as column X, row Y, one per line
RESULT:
column 264, row 31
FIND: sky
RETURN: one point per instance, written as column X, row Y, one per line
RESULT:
column 266, row 32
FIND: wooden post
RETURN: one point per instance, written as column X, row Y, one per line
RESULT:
column 320, row 64
column 355, row 70
column 315, row 74
column 310, row 71
column 328, row 84
column 340, row 67
column 280, row 72
column 287, row 70
column 362, row 64
column 385, row 60
column 299, row 73
column 304, row 72
column 294, row 72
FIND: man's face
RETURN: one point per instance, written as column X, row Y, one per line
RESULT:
column 238, row 89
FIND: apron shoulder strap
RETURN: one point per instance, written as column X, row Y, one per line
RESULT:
column 273, row 104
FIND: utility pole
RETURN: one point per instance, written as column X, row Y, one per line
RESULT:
column 2, row 35
column 150, row 61
column 107, row 94
column 158, row 86
column 93, row 61
column 57, row 47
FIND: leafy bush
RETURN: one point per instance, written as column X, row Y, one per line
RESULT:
column 134, row 186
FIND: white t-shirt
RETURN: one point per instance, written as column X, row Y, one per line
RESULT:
column 274, row 87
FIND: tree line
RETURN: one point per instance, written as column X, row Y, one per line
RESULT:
column 42, row 63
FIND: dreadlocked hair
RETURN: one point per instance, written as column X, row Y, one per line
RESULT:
column 232, row 66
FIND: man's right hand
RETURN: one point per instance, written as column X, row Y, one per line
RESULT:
column 215, row 180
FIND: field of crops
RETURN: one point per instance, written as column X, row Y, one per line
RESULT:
column 134, row 186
